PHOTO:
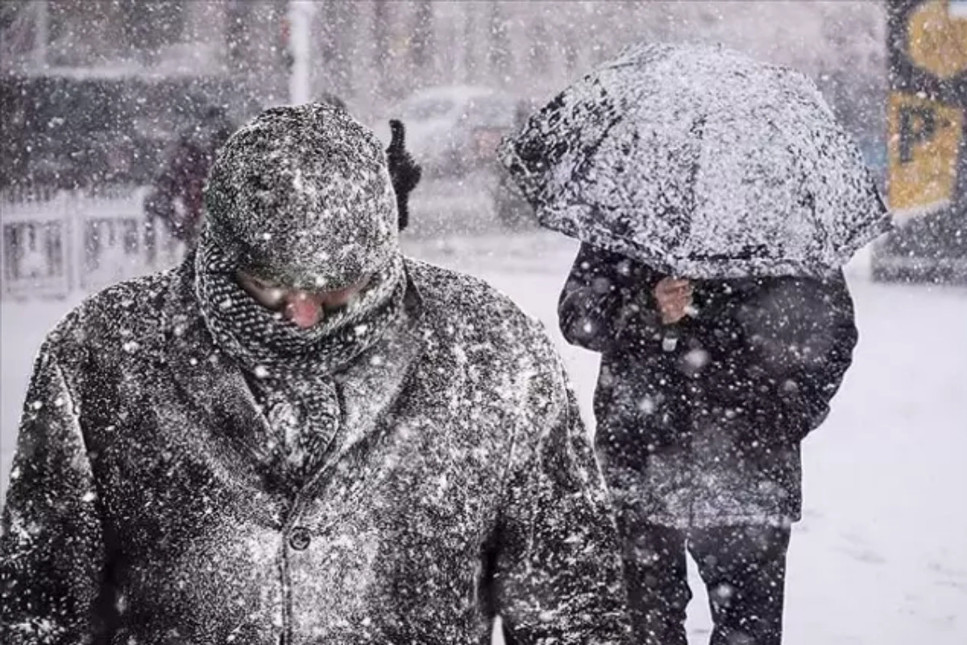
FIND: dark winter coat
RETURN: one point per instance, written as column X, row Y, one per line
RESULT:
column 460, row 485
column 708, row 434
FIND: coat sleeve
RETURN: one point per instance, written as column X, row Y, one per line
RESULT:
column 798, row 342
column 557, row 576
column 604, row 292
column 51, row 553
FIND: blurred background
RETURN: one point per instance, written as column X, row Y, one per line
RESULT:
column 96, row 92
column 111, row 110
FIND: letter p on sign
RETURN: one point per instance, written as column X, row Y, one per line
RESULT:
column 924, row 137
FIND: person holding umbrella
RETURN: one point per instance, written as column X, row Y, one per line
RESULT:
column 716, row 199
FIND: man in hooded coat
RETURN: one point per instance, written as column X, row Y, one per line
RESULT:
column 300, row 436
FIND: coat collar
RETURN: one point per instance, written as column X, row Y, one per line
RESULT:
column 215, row 387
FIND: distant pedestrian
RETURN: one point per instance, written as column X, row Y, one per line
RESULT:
column 403, row 170
column 176, row 199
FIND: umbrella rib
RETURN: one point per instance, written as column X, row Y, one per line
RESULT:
column 593, row 148
column 698, row 130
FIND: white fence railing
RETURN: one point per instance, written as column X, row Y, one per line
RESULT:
column 55, row 243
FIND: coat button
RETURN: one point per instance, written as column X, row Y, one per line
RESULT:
column 300, row 538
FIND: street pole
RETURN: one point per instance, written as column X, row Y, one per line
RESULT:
column 300, row 46
column 42, row 29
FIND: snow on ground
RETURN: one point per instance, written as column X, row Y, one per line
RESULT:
column 881, row 554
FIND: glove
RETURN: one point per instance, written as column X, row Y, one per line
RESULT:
column 404, row 172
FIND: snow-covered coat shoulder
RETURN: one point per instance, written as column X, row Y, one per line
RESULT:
column 460, row 486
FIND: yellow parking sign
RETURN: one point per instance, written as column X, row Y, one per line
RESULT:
column 925, row 116
column 938, row 38
column 924, row 141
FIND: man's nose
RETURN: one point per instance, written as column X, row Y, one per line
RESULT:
column 303, row 308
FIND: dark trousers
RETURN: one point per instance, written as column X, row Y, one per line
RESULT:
column 744, row 570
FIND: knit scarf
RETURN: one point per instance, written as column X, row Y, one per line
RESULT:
column 292, row 366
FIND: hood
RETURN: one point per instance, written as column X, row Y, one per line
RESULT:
column 301, row 196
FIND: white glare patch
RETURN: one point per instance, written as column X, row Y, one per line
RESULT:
column 59, row 401
column 647, row 405
column 361, row 329
column 601, row 285
column 36, row 405
column 276, row 293
column 377, row 360
column 89, row 497
column 266, row 236
column 130, row 346
column 261, row 371
column 697, row 358
column 724, row 591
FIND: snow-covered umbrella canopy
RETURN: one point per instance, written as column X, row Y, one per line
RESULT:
column 700, row 162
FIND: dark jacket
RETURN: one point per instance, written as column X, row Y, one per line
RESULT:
column 460, row 485
column 707, row 433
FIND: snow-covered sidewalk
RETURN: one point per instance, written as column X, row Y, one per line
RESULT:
column 881, row 554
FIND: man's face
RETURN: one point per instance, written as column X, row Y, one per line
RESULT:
column 303, row 307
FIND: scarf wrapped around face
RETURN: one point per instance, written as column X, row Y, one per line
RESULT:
column 293, row 367
column 271, row 347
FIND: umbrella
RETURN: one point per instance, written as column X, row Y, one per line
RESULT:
column 700, row 162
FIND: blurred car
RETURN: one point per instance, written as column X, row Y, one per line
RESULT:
column 454, row 129
column 80, row 128
column 510, row 205
column 926, row 248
